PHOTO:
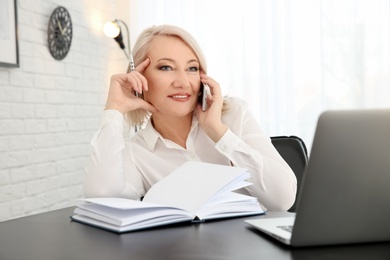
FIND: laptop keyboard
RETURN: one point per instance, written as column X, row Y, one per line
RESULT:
column 286, row 228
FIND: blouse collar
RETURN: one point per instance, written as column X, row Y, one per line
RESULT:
column 151, row 136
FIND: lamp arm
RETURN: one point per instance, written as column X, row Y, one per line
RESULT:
column 129, row 55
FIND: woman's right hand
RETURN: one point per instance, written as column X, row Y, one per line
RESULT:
column 121, row 95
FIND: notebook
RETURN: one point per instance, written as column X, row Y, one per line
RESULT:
column 345, row 194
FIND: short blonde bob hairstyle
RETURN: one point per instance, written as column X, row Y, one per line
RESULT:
column 141, row 52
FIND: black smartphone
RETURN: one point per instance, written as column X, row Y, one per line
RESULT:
column 204, row 90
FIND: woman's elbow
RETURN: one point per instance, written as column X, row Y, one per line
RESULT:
column 283, row 196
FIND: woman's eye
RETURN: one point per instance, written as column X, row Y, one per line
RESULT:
column 193, row 69
column 166, row 68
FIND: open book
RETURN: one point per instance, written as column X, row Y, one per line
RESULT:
column 195, row 191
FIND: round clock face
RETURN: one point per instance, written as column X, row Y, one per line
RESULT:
column 59, row 33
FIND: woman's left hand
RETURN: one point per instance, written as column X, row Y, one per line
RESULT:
column 211, row 119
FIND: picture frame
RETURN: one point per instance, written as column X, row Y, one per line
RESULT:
column 9, row 47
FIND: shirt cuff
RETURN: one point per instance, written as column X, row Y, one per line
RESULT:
column 228, row 143
column 112, row 116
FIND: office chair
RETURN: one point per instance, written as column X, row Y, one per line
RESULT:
column 294, row 152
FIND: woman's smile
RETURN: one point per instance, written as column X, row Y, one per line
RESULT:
column 181, row 97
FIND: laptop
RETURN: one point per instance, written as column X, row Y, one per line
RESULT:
column 345, row 192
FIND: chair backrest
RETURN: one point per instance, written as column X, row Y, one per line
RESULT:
column 294, row 152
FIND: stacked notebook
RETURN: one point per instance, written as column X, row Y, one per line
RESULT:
column 194, row 192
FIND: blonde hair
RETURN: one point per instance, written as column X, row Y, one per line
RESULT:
column 141, row 51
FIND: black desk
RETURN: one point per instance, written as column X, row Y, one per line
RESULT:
column 53, row 236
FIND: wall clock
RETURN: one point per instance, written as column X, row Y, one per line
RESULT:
column 59, row 33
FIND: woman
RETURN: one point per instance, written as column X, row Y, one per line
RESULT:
column 170, row 68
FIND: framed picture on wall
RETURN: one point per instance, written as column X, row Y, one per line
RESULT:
column 9, row 50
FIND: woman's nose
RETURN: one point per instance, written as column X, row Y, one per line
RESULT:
column 181, row 80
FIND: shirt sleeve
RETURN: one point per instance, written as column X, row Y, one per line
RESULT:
column 109, row 171
column 247, row 146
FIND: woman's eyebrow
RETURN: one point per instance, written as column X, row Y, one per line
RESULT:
column 166, row 59
column 193, row 60
column 172, row 60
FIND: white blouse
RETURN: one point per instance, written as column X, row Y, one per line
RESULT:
column 124, row 165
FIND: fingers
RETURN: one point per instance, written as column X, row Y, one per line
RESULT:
column 215, row 90
column 140, row 68
column 136, row 79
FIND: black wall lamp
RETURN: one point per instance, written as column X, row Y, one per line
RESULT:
column 113, row 30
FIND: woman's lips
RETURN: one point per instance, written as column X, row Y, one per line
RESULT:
column 180, row 97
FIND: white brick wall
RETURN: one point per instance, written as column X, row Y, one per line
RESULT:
column 49, row 109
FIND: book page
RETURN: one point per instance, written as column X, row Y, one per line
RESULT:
column 132, row 227
column 191, row 185
column 121, row 212
column 229, row 205
column 123, row 217
column 121, row 203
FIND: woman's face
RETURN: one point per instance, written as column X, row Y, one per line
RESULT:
column 173, row 76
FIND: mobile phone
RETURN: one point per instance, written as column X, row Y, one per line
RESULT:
column 204, row 90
